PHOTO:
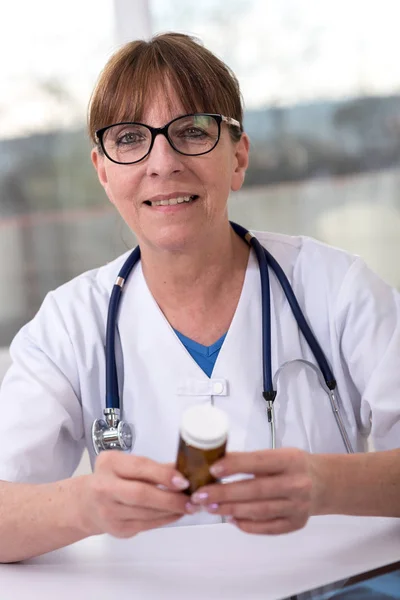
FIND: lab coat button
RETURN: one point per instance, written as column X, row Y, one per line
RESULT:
column 218, row 388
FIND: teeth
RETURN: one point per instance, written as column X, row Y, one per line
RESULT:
column 173, row 201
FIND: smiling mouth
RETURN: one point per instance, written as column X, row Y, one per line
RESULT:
column 172, row 201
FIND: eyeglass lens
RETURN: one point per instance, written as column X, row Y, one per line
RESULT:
column 192, row 134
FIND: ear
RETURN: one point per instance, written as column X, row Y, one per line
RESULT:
column 241, row 162
column 98, row 163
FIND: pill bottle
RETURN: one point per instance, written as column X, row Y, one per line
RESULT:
column 202, row 441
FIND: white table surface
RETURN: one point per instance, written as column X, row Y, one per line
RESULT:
column 207, row 562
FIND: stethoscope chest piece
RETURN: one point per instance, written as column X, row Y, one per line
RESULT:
column 111, row 433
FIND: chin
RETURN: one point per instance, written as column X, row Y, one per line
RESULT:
column 174, row 237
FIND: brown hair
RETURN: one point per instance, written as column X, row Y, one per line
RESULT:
column 202, row 81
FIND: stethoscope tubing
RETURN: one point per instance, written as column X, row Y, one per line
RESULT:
column 265, row 261
column 112, row 391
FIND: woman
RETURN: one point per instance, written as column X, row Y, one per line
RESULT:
column 168, row 147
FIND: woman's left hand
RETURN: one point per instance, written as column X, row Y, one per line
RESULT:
column 279, row 498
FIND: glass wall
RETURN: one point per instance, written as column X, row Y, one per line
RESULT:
column 321, row 85
column 55, row 220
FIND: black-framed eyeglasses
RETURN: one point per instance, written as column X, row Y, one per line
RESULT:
column 128, row 143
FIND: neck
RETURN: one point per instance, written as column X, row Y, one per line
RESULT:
column 205, row 279
column 205, row 264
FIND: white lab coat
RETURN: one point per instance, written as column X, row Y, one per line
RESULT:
column 56, row 386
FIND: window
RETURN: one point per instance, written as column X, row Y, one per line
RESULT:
column 321, row 87
column 55, row 220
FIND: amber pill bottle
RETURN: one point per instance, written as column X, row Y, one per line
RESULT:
column 202, row 441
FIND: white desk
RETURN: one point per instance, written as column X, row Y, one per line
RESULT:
column 206, row 562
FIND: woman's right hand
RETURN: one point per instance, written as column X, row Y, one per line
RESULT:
column 128, row 494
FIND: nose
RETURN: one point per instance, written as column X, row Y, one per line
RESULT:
column 163, row 160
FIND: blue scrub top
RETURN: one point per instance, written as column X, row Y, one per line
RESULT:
column 205, row 356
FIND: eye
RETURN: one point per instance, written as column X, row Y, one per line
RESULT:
column 192, row 132
column 129, row 138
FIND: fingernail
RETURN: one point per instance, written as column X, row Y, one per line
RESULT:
column 192, row 508
column 216, row 470
column 212, row 508
column 199, row 497
column 180, row 482
column 230, row 519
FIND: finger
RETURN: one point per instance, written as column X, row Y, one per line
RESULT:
column 260, row 462
column 253, row 511
column 275, row 527
column 260, row 488
column 115, row 511
column 128, row 466
column 127, row 529
column 144, row 495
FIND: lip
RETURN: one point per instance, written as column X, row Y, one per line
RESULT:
column 169, row 196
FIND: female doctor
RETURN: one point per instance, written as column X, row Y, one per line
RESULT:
column 168, row 147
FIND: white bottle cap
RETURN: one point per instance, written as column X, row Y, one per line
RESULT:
column 204, row 426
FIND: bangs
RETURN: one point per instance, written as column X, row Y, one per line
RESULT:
column 175, row 66
column 133, row 100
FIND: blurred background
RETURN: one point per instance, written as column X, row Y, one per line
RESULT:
column 321, row 86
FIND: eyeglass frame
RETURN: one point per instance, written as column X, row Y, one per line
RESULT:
column 155, row 131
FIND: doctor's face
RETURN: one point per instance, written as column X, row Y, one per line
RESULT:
column 166, row 175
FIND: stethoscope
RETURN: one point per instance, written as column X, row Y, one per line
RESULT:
column 112, row 433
